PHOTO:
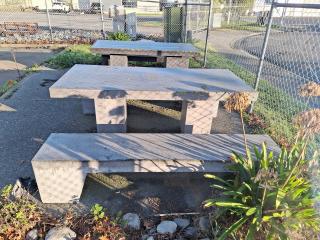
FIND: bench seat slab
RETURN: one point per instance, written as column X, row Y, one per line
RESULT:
column 64, row 160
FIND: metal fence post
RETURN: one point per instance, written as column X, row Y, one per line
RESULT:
column 49, row 21
column 264, row 48
column 102, row 19
column 229, row 12
column 207, row 36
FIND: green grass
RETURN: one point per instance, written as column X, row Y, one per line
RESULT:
column 274, row 106
column 246, row 26
column 77, row 54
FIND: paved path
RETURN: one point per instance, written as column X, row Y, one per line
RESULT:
column 27, row 119
column 24, row 57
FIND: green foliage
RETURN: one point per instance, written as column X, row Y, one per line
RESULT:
column 77, row 54
column 7, row 85
column 34, row 68
column 98, row 212
column 270, row 196
column 120, row 36
column 17, row 216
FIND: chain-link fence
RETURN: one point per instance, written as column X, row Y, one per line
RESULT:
column 277, row 62
column 35, row 21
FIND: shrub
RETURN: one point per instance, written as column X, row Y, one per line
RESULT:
column 121, row 36
column 77, row 54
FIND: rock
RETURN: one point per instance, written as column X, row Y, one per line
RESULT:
column 205, row 239
column 132, row 221
column 181, row 222
column 32, row 235
column 61, row 233
column 150, row 238
column 204, row 224
column 190, row 233
column 167, row 227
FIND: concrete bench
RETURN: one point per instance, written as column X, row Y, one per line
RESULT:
column 104, row 91
column 64, row 160
column 119, row 52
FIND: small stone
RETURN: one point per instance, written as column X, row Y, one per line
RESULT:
column 190, row 233
column 60, row 233
column 32, row 235
column 132, row 221
column 167, row 227
column 204, row 224
column 181, row 222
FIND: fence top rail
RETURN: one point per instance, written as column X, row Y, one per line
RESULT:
column 297, row 5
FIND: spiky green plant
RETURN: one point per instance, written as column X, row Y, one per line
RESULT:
column 271, row 195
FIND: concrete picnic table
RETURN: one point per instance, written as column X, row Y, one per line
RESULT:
column 118, row 52
column 200, row 91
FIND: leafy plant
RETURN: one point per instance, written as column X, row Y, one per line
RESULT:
column 120, row 36
column 98, row 211
column 17, row 216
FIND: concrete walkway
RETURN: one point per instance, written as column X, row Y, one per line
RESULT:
column 29, row 116
column 25, row 58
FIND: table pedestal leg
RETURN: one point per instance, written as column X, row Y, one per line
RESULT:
column 177, row 62
column 111, row 115
column 197, row 116
column 118, row 60
column 88, row 106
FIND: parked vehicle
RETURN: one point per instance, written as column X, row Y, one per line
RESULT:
column 60, row 7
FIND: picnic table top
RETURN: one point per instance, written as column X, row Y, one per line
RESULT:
column 144, row 48
column 93, row 81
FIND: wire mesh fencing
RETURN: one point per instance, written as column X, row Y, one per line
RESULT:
column 25, row 21
column 290, row 58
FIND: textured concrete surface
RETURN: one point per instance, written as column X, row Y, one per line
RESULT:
column 177, row 62
column 29, row 116
column 64, row 160
column 143, row 48
column 24, row 57
column 102, row 84
column 145, row 83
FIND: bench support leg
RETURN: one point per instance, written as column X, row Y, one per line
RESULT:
column 177, row 62
column 88, row 106
column 59, row 182
column 118, row 60
column 197, row 116
column 111, row 115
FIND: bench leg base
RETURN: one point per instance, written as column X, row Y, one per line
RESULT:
column 118, row 60
column 177, row 62
column 111, row 115
column 197, row 116
column 59, row 182
column 88, row 106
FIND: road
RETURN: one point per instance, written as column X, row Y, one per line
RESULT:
column 78, row 21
